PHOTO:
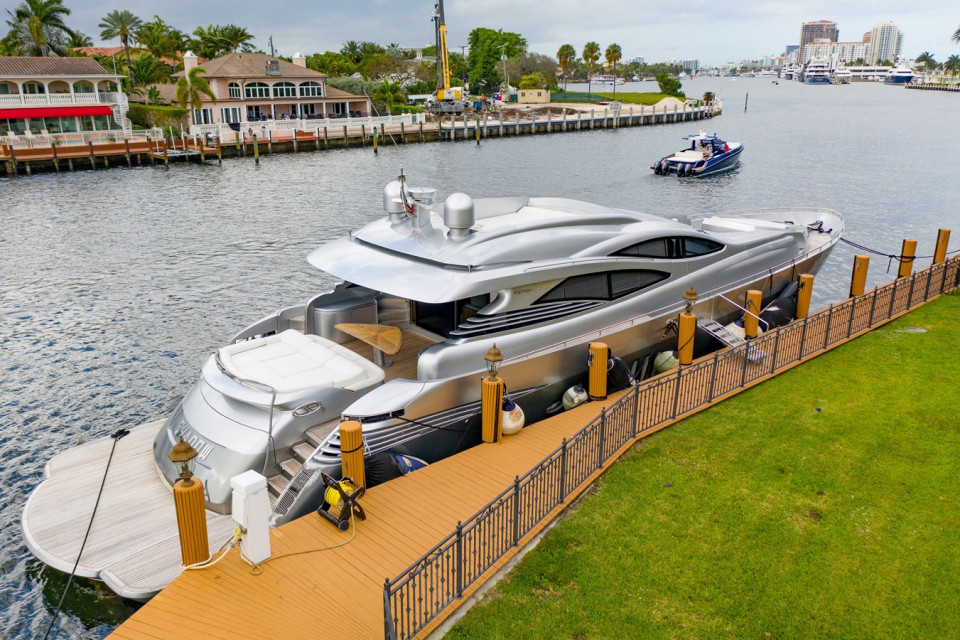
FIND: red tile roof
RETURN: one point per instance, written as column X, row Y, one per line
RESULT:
column 253, row 65
column 20, row 67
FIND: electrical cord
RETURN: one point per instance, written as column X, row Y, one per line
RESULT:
column 116, row 438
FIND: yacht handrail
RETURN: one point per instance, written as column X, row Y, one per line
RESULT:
column 262, row 386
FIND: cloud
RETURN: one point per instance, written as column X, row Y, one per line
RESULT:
column 712, row 31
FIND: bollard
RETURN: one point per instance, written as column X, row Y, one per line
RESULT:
column 256, row 149
column 351, row 451
column 943, row 239
column 803, row 295
column 597, row 363
column 751, row 318
column 907, row 254
column 491, row 409
column 191, row 520
column 686, row 330
column 858, row 281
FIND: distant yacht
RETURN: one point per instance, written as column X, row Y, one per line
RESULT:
column 841, row 75
column 790, row 73
column 816, row 72
column 900, row 75
column 606, row 79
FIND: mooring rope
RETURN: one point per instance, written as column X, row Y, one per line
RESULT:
column 900, row 258
column 116, row 438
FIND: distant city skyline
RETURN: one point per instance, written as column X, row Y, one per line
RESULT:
column 713, row 32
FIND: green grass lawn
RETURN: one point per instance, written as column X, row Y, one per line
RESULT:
column 824, row 503
column 626, row 98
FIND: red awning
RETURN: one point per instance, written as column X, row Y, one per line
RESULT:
column 55, row 112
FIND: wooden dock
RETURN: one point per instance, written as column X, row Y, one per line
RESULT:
column 137, row 151
column 308, row 589
column 321, row 582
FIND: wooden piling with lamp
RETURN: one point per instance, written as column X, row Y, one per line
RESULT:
column 491, row 397
column 751, row 316
column 907, row 254
column 943, row 239
column 188, row 499
column 858, row 281
column 599, row 353
column 687, row 328
column 804, row 293
column 351, row 451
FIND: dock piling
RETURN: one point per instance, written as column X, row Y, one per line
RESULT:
column 751, row 317
column 858, row 280
column 803, row 295
column 256, row 149
column 597, row 364
column 943, row 239
column 907, row 255
column 351, row 446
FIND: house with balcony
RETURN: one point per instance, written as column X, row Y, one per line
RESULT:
column 47, row 97
column 253, row 87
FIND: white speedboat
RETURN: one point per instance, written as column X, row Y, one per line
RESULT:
column 539, row 277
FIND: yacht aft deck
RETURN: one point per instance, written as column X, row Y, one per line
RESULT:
column 134, row 546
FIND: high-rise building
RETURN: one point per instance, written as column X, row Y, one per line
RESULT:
column 886, row 40
column 819, row 30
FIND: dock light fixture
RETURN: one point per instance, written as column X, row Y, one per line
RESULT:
column 690, row 295
column 184, row 454
column 493, row 358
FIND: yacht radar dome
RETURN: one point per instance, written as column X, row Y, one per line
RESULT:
column 458, row 215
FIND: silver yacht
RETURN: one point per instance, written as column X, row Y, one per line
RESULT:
column 445, row 280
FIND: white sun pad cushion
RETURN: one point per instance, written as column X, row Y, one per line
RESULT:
column 291, row 361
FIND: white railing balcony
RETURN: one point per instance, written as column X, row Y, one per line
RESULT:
column 33, row 99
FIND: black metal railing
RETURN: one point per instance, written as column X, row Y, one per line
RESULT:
column 418, row 595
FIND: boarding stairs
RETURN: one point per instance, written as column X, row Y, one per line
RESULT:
column 729, row 338
column 300, row 452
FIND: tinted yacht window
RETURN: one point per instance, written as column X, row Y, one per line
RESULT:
column 603, row 286
column 700, row 246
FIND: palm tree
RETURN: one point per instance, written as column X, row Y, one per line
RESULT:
column 952, row 63
column 591, row 53
column 38, row 26
column 351, row 49
column 566, row 54
column 956, row 36
column 234, row 38
column 78, row 40
column 613, row 55
column 207, row 42
column 926, row 59
column 123, row 25
column 388, row 94
column 160, row 39
column 191, row 86
column 146, row 70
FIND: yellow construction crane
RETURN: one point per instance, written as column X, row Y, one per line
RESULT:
column 447, row 100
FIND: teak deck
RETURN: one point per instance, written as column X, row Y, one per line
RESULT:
column 306, row 591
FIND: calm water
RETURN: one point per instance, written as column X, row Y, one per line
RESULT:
column 116, row 284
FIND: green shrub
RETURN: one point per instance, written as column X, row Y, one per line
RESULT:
column 148, row 116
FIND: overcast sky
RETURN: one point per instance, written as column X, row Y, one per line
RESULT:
column 712, row 31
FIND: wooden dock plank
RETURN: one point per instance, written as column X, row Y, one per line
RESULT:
column 301, row 583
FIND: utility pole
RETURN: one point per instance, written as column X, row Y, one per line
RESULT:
column 273, row 54
column 506, row 80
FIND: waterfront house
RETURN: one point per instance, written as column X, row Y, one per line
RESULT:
column 257, row 87
column 43, row 98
